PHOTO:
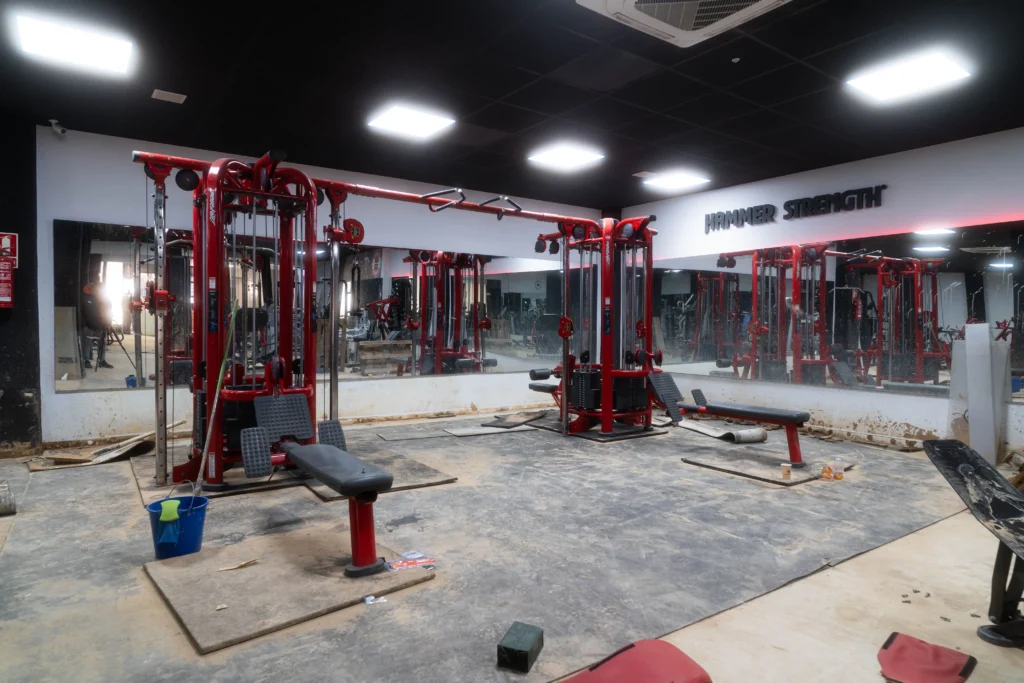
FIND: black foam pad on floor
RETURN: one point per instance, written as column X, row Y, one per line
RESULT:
column 667, row 392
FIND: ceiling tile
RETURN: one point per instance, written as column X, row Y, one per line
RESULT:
column 538, row 48
column 711, row 109
column 783, row 84
column 661, row 91
column 733, row 62
column 550, row 97
column 606, row 113
column 825, row 25
column 489, row 78
column 757, row 122
column 505, row 118
column 654, row 128
column 603, row 69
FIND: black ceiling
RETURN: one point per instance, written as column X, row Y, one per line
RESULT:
column 518, row 73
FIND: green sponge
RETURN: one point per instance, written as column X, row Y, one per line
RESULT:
column 169, row 510
column 519, row 648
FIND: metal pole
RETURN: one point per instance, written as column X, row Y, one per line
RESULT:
column 136, row 313
column 416, row 316
column 566, row 379
column 161, row 349
column 332, row 347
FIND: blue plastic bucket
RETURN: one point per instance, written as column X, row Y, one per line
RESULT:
column 1018, row 384
column 191, row 517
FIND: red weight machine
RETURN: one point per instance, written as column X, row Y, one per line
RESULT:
column 608, row 375
column 788, row 299
column 717, row 334
column 449, row 287
column 906, row 346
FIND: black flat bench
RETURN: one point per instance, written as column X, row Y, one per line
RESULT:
column 792, row 420
column 543, row 388
column 284, row 423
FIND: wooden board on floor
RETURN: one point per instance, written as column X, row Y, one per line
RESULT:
column 299, row 576
column 484, row 431
column 754, row 462
column 407, row 473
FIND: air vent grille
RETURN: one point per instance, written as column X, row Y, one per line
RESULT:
column 692, row 15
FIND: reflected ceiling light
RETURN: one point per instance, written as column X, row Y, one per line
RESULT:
column 411, row 123
column 672, row 181
column 1001, row 264
column 909, row 77
column 935, row 231
column 566, row 157
column 75, row 46
column 931, row 250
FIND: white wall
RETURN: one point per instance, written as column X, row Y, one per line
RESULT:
column 968, row 182
column 87, row 177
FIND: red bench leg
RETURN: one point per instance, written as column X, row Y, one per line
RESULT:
column 793, row 437
column 364, row 539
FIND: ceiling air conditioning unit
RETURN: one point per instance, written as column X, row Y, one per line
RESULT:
column 682, row 22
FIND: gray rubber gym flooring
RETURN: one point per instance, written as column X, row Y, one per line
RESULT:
column 598, row 544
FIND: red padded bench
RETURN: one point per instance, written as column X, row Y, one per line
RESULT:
column 792, row 420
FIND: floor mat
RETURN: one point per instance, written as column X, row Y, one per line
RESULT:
column 408, row 474
column 756, row 462
column 508, row 421
column 486, row 431
column 299, row 576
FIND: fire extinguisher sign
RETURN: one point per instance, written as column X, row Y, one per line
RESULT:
column 6, row 282
column 9, row 246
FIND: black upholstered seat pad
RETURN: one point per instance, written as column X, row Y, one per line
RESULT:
column 341, row 471
column 796, row 417
column 546, row 388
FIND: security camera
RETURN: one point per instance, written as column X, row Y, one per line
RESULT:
column 57, row 128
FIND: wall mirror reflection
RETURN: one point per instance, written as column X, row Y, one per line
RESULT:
column 877, row 313
column 101, row 338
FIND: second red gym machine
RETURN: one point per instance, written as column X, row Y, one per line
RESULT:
column 608, row 375
column 788, row 299
column 449, row 336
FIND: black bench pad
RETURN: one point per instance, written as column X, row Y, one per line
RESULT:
column 338, row 470
column 755, row 413
column 544, row 388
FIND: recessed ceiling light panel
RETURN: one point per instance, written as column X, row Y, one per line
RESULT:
column 411, row 123
column 566, row 157
column 935, row 231
column 75, row 46
column 909, row 77
column 1001, row 264
column 166, row 96
column 675, row 181
column 931, row 250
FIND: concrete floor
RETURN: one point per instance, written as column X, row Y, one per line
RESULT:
column 829, row 627
column 599, row 544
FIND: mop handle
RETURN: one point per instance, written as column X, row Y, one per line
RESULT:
column 216, row 397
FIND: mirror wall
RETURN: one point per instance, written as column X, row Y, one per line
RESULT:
column 878, row 313
column 856, row 322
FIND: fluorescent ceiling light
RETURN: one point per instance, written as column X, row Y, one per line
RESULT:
column 935, row 231
column 675, row 180
column 931, row 250
column 1001, row 264
column 75, row 46
column 167, row 96
column 909, row 77
column 409, row 122
column 566, row 157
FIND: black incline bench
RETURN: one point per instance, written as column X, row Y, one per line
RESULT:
column 284, row 423
column 792, row 420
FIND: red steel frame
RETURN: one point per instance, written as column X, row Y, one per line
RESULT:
column 725, row 312
column 791, row 259
column 444, row 267
column 607, row 233
column 607, row 238
column 889, row 273
column 251, row 186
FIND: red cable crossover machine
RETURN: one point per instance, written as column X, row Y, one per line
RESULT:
column 230, row 198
